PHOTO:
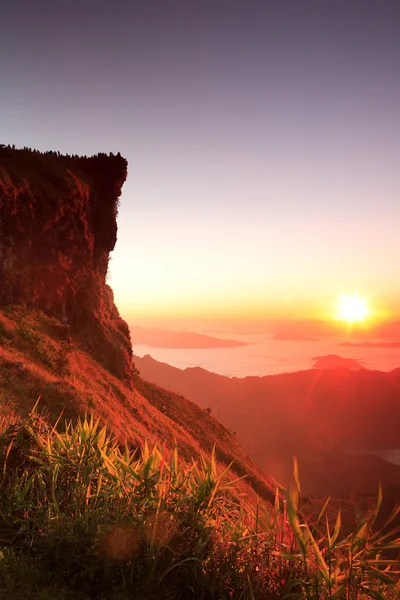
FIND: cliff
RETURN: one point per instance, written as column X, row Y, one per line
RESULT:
column 57, row 228
column 61, row 337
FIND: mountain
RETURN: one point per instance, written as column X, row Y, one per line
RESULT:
column 61, row 337
column 333, row 361
column 334, row 417
column 162, row 338
column 391, row 345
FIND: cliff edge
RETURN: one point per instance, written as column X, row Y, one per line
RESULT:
column 61, row 337
column 57, row 228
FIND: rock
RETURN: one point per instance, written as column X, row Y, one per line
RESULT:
column 57, row 229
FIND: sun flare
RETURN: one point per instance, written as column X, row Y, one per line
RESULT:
column 352, row 308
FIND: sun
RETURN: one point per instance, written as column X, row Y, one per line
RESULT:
column 352, row 308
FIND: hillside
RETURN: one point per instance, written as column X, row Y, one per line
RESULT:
column 331, row 419
column 36, row 361
column 61, row 337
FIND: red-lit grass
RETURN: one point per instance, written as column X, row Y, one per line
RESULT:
column 85, row 516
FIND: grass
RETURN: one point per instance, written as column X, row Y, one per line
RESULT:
column 83, row 517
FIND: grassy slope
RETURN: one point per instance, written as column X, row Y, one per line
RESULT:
column 37, row 361
column 83, row 518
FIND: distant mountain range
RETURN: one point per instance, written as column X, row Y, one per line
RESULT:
column 296, row 330
column 164, row 338
column 334, row 416
column 333, row 361
column 303, row 330
column 389, row 345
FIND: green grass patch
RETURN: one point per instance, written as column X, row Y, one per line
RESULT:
column 83, row 517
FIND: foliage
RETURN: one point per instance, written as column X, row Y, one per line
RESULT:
column 83, row 517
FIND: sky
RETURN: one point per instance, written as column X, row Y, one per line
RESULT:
column 263, row 141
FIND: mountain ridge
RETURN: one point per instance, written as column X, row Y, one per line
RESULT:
column 316, row 415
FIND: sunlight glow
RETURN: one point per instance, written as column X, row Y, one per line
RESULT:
column 352, row 308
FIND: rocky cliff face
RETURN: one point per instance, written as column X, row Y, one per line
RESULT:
column 57, row 228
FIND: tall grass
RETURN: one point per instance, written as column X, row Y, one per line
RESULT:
column 82, row 517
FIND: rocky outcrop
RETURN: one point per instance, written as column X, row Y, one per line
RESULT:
column 57, row 228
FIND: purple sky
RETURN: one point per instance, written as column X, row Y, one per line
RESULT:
column 263, row 141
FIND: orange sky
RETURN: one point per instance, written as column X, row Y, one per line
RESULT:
column 249, row 270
